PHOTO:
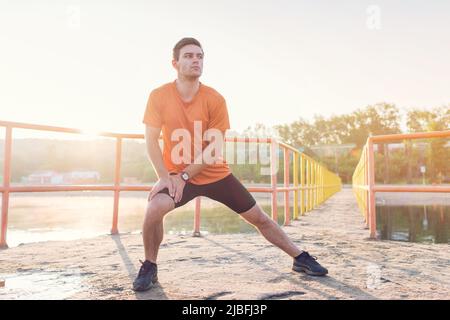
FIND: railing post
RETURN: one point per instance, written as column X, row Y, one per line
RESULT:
column 273, row 179
column 302, row 184
column 114, row 229
column 322, row 181
column 287, row 218
column 311, row 181
column 6, row 184
column 295, row 175
column 310, row 184
column 371, row 204
column 321, row 184
column 197, row 217
column 319, row 189
column 307, row 197
column 313, row 184
column 316, row 185
column 366, row 184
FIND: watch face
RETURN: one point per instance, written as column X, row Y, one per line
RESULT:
column 185, row 176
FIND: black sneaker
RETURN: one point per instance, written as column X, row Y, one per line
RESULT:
column 309, row 265
column 147, row 276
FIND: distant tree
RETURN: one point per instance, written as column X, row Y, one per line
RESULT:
column 299, row 133
column 420, row 120
column 436, row 119
column 437, row 156
column 381, row 118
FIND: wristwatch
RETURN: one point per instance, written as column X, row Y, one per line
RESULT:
column 185, row 176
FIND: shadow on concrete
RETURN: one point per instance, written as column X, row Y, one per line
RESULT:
column 329, row 281
column 154, row 293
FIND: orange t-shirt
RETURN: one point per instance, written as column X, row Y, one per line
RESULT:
column 166, row 110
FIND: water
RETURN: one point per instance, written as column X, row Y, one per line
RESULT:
column 73, row 215
column 55, row 216
column 216, row 220
column 16, row 237
column 41, row 285
column 418, row 223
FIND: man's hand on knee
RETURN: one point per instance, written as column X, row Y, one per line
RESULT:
column 178, row 185
column 160, row 185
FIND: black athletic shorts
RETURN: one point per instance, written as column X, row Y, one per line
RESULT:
column 228, row 191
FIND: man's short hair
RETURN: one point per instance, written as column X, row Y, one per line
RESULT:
column 184, row 42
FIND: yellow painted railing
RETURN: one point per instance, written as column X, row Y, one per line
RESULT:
column 363, row 180
column 313, row 183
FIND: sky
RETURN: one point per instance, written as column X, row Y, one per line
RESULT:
column 92, row 64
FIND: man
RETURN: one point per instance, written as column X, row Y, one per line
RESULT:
column 188, row 106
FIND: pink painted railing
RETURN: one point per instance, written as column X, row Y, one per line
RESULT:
column 316, row 183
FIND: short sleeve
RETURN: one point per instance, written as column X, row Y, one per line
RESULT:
column 218, row 115
column 152, row 115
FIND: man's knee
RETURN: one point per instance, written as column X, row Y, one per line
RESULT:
column 257, row 217
column 263, row 221
column 159, row 206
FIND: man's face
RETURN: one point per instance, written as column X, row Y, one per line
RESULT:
column 190, row 62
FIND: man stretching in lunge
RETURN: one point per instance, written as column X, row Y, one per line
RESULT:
column 183, row 110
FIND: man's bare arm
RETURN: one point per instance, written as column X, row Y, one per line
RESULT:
column 156, row 158
column 202, row 161
column 154, row 151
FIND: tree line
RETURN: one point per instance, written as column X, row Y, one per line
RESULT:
column 394, row 163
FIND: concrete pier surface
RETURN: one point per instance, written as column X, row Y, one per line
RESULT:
column 235, row 266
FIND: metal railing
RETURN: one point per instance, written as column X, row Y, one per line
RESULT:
column 312, row 184
column 364, row 186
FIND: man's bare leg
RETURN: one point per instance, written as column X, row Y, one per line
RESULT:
column 270, row 230
column 153, row 229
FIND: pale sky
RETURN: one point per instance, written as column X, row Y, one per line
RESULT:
column 92, row 64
